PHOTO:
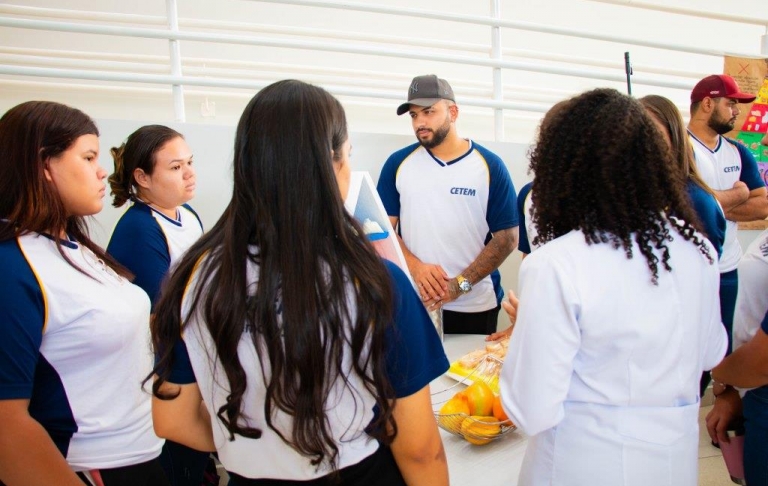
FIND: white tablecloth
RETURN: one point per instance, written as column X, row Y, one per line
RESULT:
column 495, row 464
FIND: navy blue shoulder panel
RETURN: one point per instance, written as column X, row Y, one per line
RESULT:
column 710, row 215
column 22, row 320
column 750, row 174
column 386, row 185
column 501, row 213
column 139, row 244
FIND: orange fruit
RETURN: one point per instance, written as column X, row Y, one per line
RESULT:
column 480, row 398
column 453, row 413
column 499, row 413
column 480, row 430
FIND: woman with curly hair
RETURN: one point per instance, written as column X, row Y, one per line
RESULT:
column 618, row 310
column 285, row 343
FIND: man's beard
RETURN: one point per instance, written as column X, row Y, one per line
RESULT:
column 720, row 125
column 438, row 136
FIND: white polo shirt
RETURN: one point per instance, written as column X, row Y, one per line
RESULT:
column 448, row 211
column 720, row 169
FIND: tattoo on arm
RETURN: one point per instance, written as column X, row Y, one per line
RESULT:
column 495, row 252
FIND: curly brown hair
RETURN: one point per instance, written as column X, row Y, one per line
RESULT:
column 601, row 168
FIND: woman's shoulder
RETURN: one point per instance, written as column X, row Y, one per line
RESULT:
column 17, row 269
column 136, row 217
column 699, row 194
column 193, row 213
column 135, row 225
column 562, row 246
column 395, row 271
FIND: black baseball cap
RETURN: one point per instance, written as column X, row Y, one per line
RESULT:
column 426, row 91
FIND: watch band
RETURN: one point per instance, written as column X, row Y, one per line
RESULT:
column 465, row 286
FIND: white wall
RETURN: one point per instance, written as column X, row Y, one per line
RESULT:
column 382, row 74
column 120, row 107
column 212, row 147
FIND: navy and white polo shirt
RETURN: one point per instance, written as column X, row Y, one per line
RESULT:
column 148, row 243
column 448, row 211
column 76, row 345
column 414, row 357
column 720, row 169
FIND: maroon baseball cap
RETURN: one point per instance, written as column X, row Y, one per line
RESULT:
column 719, row 86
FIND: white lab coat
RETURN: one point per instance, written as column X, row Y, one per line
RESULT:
column 603, row 367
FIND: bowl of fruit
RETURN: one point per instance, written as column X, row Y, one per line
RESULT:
column 474, row 413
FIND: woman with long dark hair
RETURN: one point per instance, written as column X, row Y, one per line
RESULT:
column 618, row 311
column 670, row 123
column 283, row 341
column 75, row 331
column 710, row 214
column 154, row 171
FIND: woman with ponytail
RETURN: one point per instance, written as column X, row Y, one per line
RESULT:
column 154, row 172
column 74, row 329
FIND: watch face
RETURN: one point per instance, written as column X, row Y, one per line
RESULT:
column 465, row 286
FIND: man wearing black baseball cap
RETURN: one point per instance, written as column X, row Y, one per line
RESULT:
column 448, row 196
column 729, row 169
column 426, row 91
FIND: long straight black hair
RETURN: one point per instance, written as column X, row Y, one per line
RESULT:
column 287, row 216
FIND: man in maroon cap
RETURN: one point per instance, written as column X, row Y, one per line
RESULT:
column 729, row 169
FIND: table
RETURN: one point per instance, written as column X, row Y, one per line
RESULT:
column 495, row 464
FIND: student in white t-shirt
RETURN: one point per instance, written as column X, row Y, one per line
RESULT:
column 75, row 331
column 284, row 342
column 154, row 171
